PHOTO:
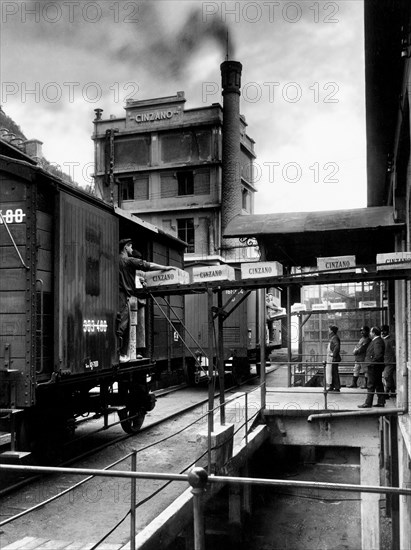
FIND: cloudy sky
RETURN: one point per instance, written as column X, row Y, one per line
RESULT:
column 302, row 82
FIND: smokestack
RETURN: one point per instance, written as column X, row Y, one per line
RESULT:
column 33, row 148
column 231, row 173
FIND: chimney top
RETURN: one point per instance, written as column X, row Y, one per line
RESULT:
column 98, row 113
column 33, row 148
column 231, row 76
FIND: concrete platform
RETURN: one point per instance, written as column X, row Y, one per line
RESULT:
column 297, row 401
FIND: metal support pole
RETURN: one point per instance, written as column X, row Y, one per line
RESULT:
column 210, row 373
column 325, row 386
column 198, row 480
column 133, row 492
column 246, row 419
column 221, row 357
column 12, row 432
column 262, row 324
column 289, row 335
column 395, row 481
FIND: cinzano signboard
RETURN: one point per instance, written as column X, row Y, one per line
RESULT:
column 394, row 260
column 336, row 263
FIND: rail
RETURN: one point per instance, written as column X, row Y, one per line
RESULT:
column 133, row 456
column 199, row 480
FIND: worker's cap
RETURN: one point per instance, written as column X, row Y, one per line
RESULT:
column 123, row 243
column 365, row 329
column 334, row 328
column 385, row 328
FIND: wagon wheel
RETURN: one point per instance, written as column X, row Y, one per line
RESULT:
column 131, row 419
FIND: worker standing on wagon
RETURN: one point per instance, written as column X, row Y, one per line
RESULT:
column 129, row 267
column 271, row 311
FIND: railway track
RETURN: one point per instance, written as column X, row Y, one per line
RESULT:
column 168, row 444
column 96, row 440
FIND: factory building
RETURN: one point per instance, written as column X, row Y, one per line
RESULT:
column 165, row 164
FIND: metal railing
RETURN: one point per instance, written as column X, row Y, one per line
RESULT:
column 199, row 480
column 312, row 374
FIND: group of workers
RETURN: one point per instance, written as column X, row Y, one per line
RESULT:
column 374, row 358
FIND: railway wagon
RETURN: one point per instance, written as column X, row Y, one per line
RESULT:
column 241, row 333
column 59, row 307
column 235, row 331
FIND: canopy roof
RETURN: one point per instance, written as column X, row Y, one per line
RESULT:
column 299, row 238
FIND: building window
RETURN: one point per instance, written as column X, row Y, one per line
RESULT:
column 141, row 189
column 245, row 197
column 131, row 152
column 126, row 189
column 189, row 146
column 185, row 182
column 185, row 232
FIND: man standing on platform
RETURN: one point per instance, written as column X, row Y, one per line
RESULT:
column 333, row 358
column 390, row 362
column 359, row 356
column 374, row 361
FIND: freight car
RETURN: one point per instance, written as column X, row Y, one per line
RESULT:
column 59, row 306
column 241, row 334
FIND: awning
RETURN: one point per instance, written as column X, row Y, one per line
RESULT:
column 298, row 238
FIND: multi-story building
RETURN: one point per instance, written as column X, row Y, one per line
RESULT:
column 164, row 163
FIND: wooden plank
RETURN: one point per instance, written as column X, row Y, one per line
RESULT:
column 79, row 546
column 13, row 302
column 18, row 231
column 44, row 221
column 12, row 324
column 27, row 543
column 13, row 279
column 44, row 259
column 53, row 545
column 8, row 255
column 44, row 239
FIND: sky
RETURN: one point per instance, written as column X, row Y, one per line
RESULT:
column 302, row 96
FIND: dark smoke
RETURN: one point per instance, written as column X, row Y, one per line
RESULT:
column 171, row 53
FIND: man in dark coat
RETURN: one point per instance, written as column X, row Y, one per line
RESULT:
column 333, row 358
column 389, row 360
column 129, row 267
column 374, row 361
column 359, row 356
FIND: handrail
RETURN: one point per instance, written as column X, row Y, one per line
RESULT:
column 212, row 479
column 41, row 326
column 198, row 479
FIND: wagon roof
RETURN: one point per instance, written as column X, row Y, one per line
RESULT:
column 150, row 227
